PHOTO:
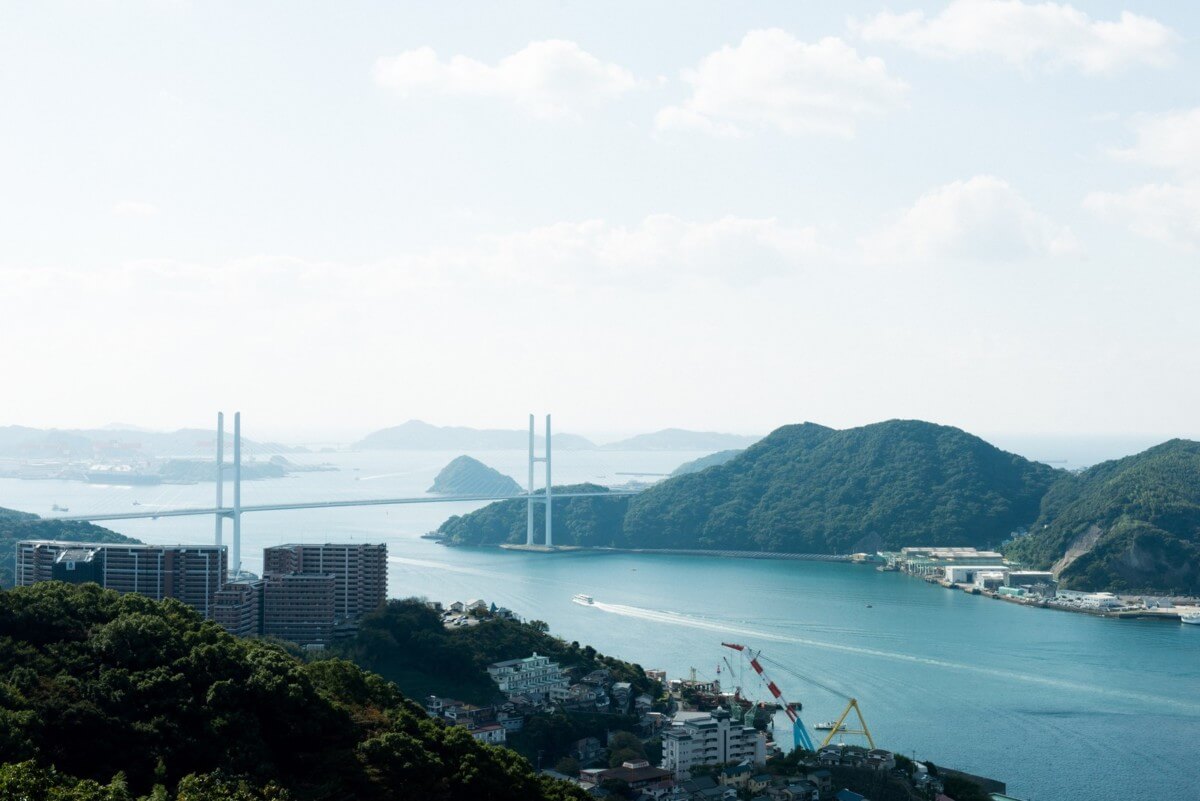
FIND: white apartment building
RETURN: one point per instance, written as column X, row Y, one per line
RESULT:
column 710, row 740
column 535, row 676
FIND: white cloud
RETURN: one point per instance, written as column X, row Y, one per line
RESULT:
column 983, row 219
column 1170, row 141
column 1164, row 212
column 1026, row 34
column 773, row 80
column 1167, row 213
column 134, row 209
column 552, row 78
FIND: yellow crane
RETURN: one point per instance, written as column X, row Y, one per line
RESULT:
column 841, row 728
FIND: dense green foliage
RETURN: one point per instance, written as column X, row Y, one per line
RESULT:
column 704, row 462
column 406, row 642
column 467, row 476
column 807, row 488
column 131, row 693
column 592, row 521
column 17, row 526
column 1136, row 521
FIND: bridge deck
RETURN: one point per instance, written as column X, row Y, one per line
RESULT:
column 227, row 511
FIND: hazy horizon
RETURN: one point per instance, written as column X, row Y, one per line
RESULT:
column 979, row 213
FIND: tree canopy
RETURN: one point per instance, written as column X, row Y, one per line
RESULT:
column 103, row 695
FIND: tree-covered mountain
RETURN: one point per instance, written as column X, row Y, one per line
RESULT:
column 704, row 462
column 807, row 488
column 467, row 476
column 117, row 697
column 17, row 526
column 1130, row 524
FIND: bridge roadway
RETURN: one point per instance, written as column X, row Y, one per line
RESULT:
column 228, row 511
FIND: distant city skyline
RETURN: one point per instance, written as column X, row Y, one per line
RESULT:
column 983, row 213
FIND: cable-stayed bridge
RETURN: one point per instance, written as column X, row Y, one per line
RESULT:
column 234, row 511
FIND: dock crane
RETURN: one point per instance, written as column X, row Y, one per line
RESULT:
column 799, row 732
column 801, row 735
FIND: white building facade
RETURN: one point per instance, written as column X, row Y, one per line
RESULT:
column 710, row 740
column 535, row 676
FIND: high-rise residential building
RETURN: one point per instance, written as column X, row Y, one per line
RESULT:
column 192, row 574
column 299, row 607
column 239, row 607
column 359, row 569
column 712, row 739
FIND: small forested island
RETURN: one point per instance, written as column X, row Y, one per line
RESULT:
column 467, row 476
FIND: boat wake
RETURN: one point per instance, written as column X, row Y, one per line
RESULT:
column 692, row 621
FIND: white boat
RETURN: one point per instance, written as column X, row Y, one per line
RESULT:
column 586, row 600
column 828, row 725
column 1191, row 618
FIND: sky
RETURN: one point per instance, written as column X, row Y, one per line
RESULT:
column 724, row 216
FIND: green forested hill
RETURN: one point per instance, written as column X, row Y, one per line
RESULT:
column 1131, row 524
column 577, row 521
column 406, row 642
column 17, row 526
column 467, row 476
column 133, row 694
column 807, row 488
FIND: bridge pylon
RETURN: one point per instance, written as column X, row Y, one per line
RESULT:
column 546, row 499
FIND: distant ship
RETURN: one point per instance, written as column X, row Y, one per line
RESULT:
column 1191, row 618
column 58, row 508
column 586, row 600
column 828, row 725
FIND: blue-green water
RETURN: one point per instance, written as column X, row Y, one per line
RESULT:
column 1061, row 706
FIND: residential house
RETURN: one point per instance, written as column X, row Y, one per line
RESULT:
column 823, row 779
column 492, row 733
column 798, row 790
column 759, row 782
column 735, row 775
column 640, row 775
column 587, row 750
column 437, row 707
column 881, row 759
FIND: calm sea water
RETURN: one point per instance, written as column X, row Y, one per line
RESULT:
column 1060, row 706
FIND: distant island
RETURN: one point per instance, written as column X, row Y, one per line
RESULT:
column 467, row 476
column 155, row 471
column 1129, row 525
column 677, row 439
column 111, row 443
column 418, row 435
